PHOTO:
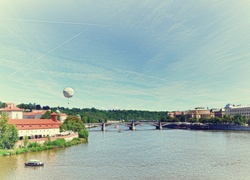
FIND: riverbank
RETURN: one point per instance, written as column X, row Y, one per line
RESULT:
column 36, row 147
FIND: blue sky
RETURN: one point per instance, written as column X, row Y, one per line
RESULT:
column 132, row 54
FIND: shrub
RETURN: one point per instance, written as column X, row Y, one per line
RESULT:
column 34, row 144
column 59, row 142
column 84, row 133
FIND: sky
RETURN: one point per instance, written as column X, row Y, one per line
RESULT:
column 151, row 55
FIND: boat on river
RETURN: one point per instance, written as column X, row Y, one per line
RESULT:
column 34, row 162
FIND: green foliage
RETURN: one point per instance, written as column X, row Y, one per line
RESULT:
column 48, row 137
column 193, row 120
column 84, row 133
column 236, row 119
column 35, row 147
column 3, row 105
column 182, row 118
column 239, row 119
column 73, row 123
column 25, row 141
column 8, row 133
column 3, row 153
column 59, row 142
column 46, row 115
column 228, row 119
column 33, row 144
column 22, row 150
column 94, row 115
column 204, row 120
column 168, row 119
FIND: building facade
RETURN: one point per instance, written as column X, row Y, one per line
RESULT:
column 12, row 111
column 218, row 112
column 232, row 110
column 199, row 113
column 34, row 114
column 63, row 117
column 34, row 128
column 29, row 123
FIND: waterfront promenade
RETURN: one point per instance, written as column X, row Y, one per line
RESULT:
column 68, row 137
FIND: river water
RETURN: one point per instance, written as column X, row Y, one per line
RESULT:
column 142, row 154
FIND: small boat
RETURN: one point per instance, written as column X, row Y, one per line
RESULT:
column 34, row 162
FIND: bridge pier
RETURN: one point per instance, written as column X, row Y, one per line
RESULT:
column 159, row 126
column 132, row 127
column 103, row 127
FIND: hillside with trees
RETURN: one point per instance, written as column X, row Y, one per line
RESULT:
column 92, row 115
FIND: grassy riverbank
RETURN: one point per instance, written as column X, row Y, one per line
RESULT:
column 35, row 147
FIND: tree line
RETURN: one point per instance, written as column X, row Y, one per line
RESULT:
column 93, row 115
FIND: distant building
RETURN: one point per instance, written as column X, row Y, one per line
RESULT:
column 232, row 110
column 34, row 114
column 176, row 114
column 12, row 111
column 199, row 113
column 63, row 117
column 218, row 112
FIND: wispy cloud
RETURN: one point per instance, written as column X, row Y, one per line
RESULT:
column 124, row 54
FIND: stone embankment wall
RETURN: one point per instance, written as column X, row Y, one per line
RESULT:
column 233, row 127
column 42, row 140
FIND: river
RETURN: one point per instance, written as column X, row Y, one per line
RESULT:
column 142, row 154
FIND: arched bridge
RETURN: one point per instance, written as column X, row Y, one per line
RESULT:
column 131, row 125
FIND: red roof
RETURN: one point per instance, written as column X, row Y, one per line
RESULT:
column 29, row 124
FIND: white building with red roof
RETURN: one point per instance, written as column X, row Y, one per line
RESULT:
column 31, row 127
column 37, row 128
column 12, row 111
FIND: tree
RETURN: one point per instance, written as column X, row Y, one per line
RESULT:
column 46, row 115
column 163, row 119
column 75, row 124
column 85, row 119
column 46, row 107
column 38, row 107
column 227, row 119
column 8, row 133
column 182, row 118
column 84, row 133
column 239, row 119
column 193, row 120
column 25, row 141
column 204, row 120
column 3, row 105
column 29, row 106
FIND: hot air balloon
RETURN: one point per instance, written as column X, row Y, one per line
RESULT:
column 68, row 92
